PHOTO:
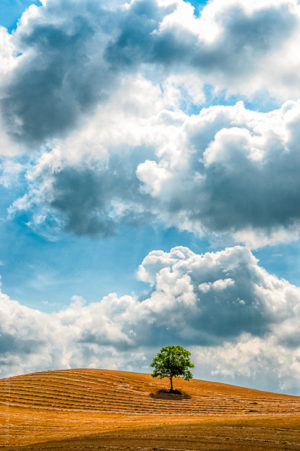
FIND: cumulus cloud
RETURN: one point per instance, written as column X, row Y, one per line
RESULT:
column 234, row 171
column 72, row 55
column 56, row 77
column 7, row 63
column 87, row 184
column 105, row 89
column 227, row 46
column 252, row 361
column 7, row 51
column 213, row 297
column 227, row 171
column 223, row 305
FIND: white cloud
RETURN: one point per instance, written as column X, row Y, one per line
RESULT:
column 7, row 64
column 235, row 46
column 252, row 361
column 7, row 51
column 228, row 171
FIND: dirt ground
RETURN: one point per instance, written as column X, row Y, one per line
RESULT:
column 101, row 409
column 214, row 434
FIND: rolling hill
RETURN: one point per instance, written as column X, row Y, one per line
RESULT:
column 92, row 406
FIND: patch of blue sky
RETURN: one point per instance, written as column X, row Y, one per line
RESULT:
column 261, row 101
column 283, row 260
column 12, row 10
column 45, row 274
column 198, row 5
column 12, row 182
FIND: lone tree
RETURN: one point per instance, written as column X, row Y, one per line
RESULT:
column 172, row 361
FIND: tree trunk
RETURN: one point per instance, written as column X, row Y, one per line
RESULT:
column 171, row 382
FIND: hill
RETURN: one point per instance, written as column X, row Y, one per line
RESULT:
column 58, row 405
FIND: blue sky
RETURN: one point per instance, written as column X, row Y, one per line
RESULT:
column 149, row 186
column 11, row 11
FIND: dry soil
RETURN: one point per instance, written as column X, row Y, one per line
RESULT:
column 87, row 409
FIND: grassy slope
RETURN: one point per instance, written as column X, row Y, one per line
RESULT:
column 59, row 405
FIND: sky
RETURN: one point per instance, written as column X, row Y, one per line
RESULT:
column 149, row 186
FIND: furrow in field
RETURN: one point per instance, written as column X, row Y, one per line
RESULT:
column 133, row 393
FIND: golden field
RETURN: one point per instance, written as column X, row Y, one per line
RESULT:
column 103, row 409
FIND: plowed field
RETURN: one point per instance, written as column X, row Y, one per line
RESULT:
column 102, row 409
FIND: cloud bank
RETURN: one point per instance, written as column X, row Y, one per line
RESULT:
column 226, row 171
column 71, row 55
column 105, row 96
column 240, row 322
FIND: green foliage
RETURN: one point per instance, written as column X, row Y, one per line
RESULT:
column 172, row 361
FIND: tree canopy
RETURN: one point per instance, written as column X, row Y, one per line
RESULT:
column 172, row 361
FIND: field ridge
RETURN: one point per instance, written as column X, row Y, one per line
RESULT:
column 136, row 393
column 96, row 406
